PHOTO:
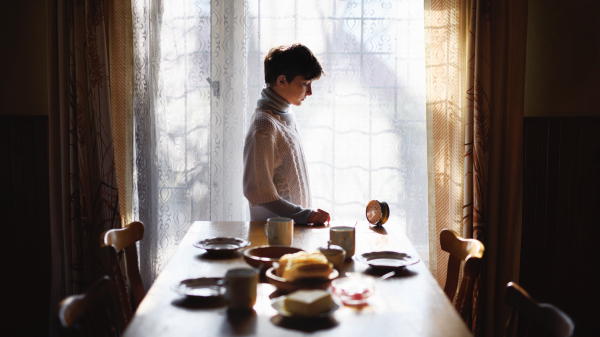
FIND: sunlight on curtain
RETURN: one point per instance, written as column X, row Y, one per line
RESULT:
column 172, row 123
column 364, row 129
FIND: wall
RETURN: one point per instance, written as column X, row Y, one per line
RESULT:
column 24, row 176
column 23, row 87
column 563, row 53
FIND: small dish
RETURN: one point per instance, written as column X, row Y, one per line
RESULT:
column 305, row 283
column 353, row 290
column 334, row 254
column 387, row 259
column 222, row 244
column 201, row 287
column 277, row 304
column 264, row 256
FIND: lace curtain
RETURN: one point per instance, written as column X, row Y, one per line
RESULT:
column 363, row 130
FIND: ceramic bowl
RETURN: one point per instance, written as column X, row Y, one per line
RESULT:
column 264, row 256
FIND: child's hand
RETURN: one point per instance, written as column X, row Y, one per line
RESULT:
column 319, row 217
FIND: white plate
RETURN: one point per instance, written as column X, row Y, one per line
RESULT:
column 277, row 304
column 201, row 287
column 222, row 245
column 387, row 259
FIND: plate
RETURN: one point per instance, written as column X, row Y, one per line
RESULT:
column 304, row 283
column 387, row 259
column 222, row 245
column 277, row 304
column 264, row 256
column 200, row 287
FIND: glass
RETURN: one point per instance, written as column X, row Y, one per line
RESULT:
column 353, row 290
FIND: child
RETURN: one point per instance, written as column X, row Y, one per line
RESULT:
column 275, row 173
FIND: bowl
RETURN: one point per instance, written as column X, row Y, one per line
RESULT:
column 304, row 283
column 353, row 290
column 264, row 256
column 335, row 256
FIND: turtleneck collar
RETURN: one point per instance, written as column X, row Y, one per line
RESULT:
column 270, row 100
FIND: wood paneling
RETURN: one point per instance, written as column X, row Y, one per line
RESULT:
column 561, row 195
column 25, row 220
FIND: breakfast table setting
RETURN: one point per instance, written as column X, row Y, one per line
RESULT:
column 277, row 278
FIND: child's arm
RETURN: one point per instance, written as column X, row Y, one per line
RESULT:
column 286, row 209
column 300, row 215
column 259, row 169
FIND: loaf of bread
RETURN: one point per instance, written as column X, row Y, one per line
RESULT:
column 304, row 265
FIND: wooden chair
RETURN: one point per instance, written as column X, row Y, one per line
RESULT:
column 541, row 315
column 124, row 239
column 96, row 304
column 469, row 251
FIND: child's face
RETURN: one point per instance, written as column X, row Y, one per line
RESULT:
column 295, row 91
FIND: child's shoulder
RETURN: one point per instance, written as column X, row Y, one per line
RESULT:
column 265, row 122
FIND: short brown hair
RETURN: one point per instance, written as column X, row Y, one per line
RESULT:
column 291, row 61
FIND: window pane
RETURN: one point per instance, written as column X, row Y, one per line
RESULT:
column 363, row 129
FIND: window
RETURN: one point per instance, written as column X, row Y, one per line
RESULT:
column 363, row 130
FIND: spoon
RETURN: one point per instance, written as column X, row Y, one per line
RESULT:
column 386, row 276
column 381, row 278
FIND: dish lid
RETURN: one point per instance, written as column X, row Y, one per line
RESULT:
column 331, row 249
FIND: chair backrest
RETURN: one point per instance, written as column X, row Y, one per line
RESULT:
column 545, row 316
column 119, row 293
column 469, row 251
column 72, row 308
column 125, row 239
column 91, row 311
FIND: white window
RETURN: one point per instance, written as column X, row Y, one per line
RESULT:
column 363, row 129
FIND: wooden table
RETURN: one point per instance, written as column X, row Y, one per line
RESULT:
column 408, row 304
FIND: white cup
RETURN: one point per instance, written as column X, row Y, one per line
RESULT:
column 279, row 231
column 343, row 236
column 241, row 286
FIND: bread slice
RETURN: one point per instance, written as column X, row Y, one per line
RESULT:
column 304, row 265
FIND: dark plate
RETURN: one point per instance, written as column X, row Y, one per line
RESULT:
column 387, row 259
column 222, row 245
column 277, row 304
column 200, row 287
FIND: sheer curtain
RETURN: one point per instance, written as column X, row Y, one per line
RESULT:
column 364, row 129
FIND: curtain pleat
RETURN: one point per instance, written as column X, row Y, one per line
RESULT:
column 120, row 39
column 509, row 41
column 61, row 282
column 83, row 183
column 477, row 142
column 445, row 32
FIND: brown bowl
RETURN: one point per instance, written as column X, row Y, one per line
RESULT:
column 265, row 255
column 305, row 283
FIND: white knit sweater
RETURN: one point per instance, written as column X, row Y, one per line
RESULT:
column 274, row 163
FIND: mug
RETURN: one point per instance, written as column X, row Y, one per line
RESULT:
column 241, row 286
column 279, row 231
column 343, row 236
